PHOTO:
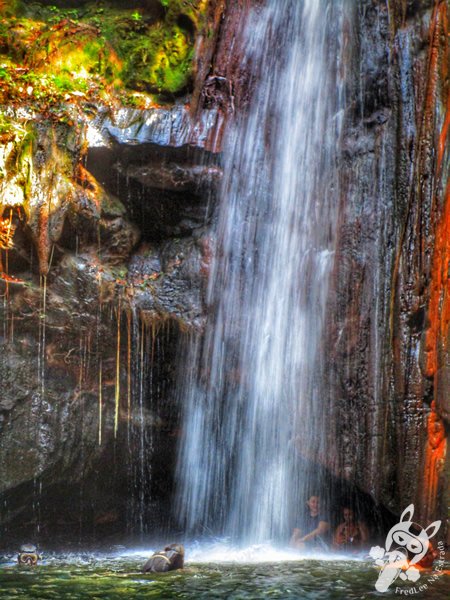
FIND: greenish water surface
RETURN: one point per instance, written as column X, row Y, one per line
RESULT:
column 117, row 578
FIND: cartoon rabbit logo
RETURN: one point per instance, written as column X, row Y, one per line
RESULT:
column 404, row 539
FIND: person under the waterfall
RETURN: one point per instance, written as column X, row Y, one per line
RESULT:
column 351, row 534
column 314, row 527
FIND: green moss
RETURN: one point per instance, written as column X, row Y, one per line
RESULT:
column 16, row 168
column 6, row 124
column 194, row 9
column 25, row 152
column 48, row 53
column 157, row 56
column 160, row 62
column 111, row 206
column 9, row 7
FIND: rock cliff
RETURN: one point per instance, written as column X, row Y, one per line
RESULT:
column 108, row 181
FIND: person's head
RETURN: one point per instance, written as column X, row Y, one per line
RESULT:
column 348, row 514
column 313, row 503
column 28, row 555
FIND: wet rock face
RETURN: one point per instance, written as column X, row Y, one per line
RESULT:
column 165, row 127
column 105, row 252
column 388, row 280
column 88, row 350
column 167, row 191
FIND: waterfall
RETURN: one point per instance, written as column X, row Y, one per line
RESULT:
column 251, row 386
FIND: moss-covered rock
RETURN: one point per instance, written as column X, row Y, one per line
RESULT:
column 48, row 51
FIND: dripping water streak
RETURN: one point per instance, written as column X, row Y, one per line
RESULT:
column 142, row 372
column 129, row 366
column 117, row 391
column 42, row 324
column 100, row 402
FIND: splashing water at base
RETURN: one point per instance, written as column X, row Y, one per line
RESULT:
column 251, row 387
column 207, row 575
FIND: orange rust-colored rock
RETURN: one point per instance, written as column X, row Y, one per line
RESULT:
column 436, row 339
column 439, row 305
column 439, row 302
column 435, row 453
column 438, row 29
column 6, row 232
column 43, row 242
column 391, row 318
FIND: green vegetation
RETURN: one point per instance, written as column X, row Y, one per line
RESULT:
column 160, row 62
column 51, row 54
column 6, row 125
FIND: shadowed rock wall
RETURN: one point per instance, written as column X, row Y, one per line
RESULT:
column 104, row 257
column 388, row 344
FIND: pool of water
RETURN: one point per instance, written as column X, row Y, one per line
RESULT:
column 208, row 574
